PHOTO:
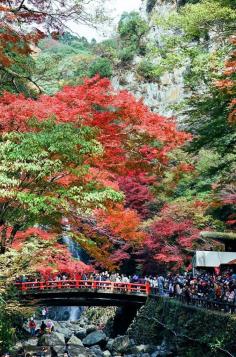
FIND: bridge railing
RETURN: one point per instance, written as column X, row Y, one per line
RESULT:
column 128, row 288
column 210, row 304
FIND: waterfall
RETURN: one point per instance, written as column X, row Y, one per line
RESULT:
column 65, row 313
column 69, row 313
column 73, row 246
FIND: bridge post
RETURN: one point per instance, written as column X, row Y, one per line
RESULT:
column 23, row 287
column 76, row 282
column 59, row 284
column 129, row 288
column 148, row 288
column 94, row 284
column 41, row 285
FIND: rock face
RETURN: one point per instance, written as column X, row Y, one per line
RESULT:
column 169, row 88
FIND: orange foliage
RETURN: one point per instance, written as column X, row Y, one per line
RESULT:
column 228, row 84
column 123, row 223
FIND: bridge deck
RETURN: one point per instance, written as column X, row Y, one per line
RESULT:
column 82, row 292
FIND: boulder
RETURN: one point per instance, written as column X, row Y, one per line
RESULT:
column 96, row 351
column 143, row 348
column 31, row 342
column 95, row 338
column 90, row 328
column 106, row 353
column 109, row 344
column 18, row 346
column 121, row 344
column 66, row 331
column 75, row 341
column 80, row 332
column 78, row 351
column 54, row 339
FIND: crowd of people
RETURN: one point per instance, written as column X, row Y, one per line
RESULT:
column 44, row 327
column 219, row 287
column 201, row 286
column 216, row 288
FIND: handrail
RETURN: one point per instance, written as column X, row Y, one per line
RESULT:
column 202, row 302
column 210, row 304
column 127, row 288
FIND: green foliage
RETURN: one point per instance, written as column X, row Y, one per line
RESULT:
column 147, row 70
column 101, row 66
column 17, row 77
column 212, row 149
column 7, row 329
column 194, row 331
column 106, row 49
column 194, row 22
column 131, row 29
column 63, row 62
column 197, row 19
column 43, row 154
column 12, row 315
column 126, row 54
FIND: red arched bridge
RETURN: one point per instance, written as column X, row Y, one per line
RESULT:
column 82, row 292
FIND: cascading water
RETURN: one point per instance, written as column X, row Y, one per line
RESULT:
column 65, row 313
column 69, row 313
column 74, row 247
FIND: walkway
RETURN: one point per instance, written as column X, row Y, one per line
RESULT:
column 82, row 292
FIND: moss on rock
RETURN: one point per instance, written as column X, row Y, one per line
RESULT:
column 191, row 330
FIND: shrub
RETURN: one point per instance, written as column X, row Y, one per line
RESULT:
column 101, row 66
column 146, row 69
column 126, row 54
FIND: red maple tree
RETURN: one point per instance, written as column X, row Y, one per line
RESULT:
column 128, row 133
column 126, row 128
column 228, row 83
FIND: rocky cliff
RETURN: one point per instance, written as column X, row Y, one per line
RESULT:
column 169, row 89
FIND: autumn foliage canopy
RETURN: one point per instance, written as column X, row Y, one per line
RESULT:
column 72, row 155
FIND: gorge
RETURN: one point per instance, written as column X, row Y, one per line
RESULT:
column 118, row 161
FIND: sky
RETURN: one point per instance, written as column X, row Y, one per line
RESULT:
column 117, row 7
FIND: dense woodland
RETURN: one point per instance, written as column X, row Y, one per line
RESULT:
column 139, row 191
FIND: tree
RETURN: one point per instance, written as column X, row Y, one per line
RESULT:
column 59, row 158
column 112, row 114
column 137, row 193
column 131, row 29
column 23, row 23
column 228, row 84
column 61, row 62
column 43, row 178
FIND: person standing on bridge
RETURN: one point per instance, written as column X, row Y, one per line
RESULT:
column 160, row 283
